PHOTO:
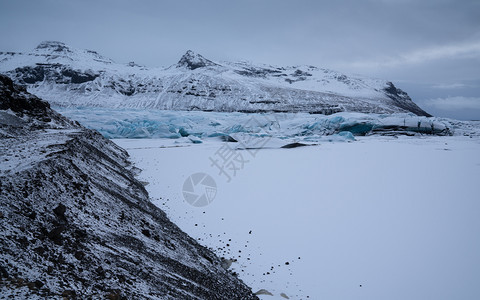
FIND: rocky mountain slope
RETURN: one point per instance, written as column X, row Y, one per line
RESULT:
column 76, row 224
column 70, row 77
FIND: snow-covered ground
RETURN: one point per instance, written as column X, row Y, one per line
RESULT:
column 377, row 218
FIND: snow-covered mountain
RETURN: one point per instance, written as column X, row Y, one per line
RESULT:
column 70, row 77
column 76, row 224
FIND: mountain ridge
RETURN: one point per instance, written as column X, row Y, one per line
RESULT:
column 192, row 61
column 70, row 77
column 76, row 224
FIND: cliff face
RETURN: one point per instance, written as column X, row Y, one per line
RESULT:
column 77, row 224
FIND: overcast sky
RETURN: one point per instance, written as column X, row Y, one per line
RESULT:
column 429, row 48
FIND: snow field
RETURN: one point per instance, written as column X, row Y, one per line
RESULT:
column 379, row 218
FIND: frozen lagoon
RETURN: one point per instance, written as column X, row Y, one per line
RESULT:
column 349, row 218
column 378, row 218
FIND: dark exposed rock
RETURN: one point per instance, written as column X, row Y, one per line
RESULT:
column 53, row 73
column 38, row 284
column 56, row 234
column 116, row 243
column 402, row 100
column 32, row 215
column 15, row 97
column 60, row 211
column 227, row 138
column 31, row 75
column 294, row 145
column 79, row 255
column 53, row 46
column 78, row 77
column 146, row 232
column 258, row 72
column 3, row 272
column 300, row 73
column 192, row 61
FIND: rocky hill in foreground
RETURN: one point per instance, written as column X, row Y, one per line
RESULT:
column 70, row 77
column 76, row 224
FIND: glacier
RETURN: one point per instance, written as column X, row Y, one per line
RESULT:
column 198, row 126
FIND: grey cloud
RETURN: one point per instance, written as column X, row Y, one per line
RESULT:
column 393, row 39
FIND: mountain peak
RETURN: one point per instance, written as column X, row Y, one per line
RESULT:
column 53, row 46
column 193, row 61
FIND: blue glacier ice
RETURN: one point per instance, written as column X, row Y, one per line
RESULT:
column 299, row 127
